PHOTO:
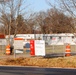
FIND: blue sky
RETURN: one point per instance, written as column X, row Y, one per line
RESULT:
column 39, row 5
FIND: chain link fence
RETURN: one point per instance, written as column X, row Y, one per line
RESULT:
column 52, row 50
column 59, row 50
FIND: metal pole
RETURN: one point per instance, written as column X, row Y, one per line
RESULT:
column 14, row 53
column 34, row 35
column 9, row 31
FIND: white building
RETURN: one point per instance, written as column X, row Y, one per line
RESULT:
column 59, row 39
column 51, row 39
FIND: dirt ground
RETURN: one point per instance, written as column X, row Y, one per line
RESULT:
column 62, row 62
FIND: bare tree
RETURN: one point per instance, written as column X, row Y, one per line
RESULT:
column 68, row 7
column 9, row 11
column 39, row 22
column 59, row 21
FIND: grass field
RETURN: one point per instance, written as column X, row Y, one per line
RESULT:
column 58, row 49
column 62, row 62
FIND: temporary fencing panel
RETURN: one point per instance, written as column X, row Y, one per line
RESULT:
column 2, row 44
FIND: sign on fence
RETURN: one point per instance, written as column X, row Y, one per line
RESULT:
column 40, row 47
column 18, row 43
column 18, row 51
column 32, row 47
column 37, row 47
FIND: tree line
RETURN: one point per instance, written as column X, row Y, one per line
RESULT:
column 13, row 19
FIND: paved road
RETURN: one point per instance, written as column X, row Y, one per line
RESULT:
column 35, row 71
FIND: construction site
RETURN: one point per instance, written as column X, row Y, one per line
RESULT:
column 46, row 45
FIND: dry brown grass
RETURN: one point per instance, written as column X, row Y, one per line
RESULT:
column 63, row 62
